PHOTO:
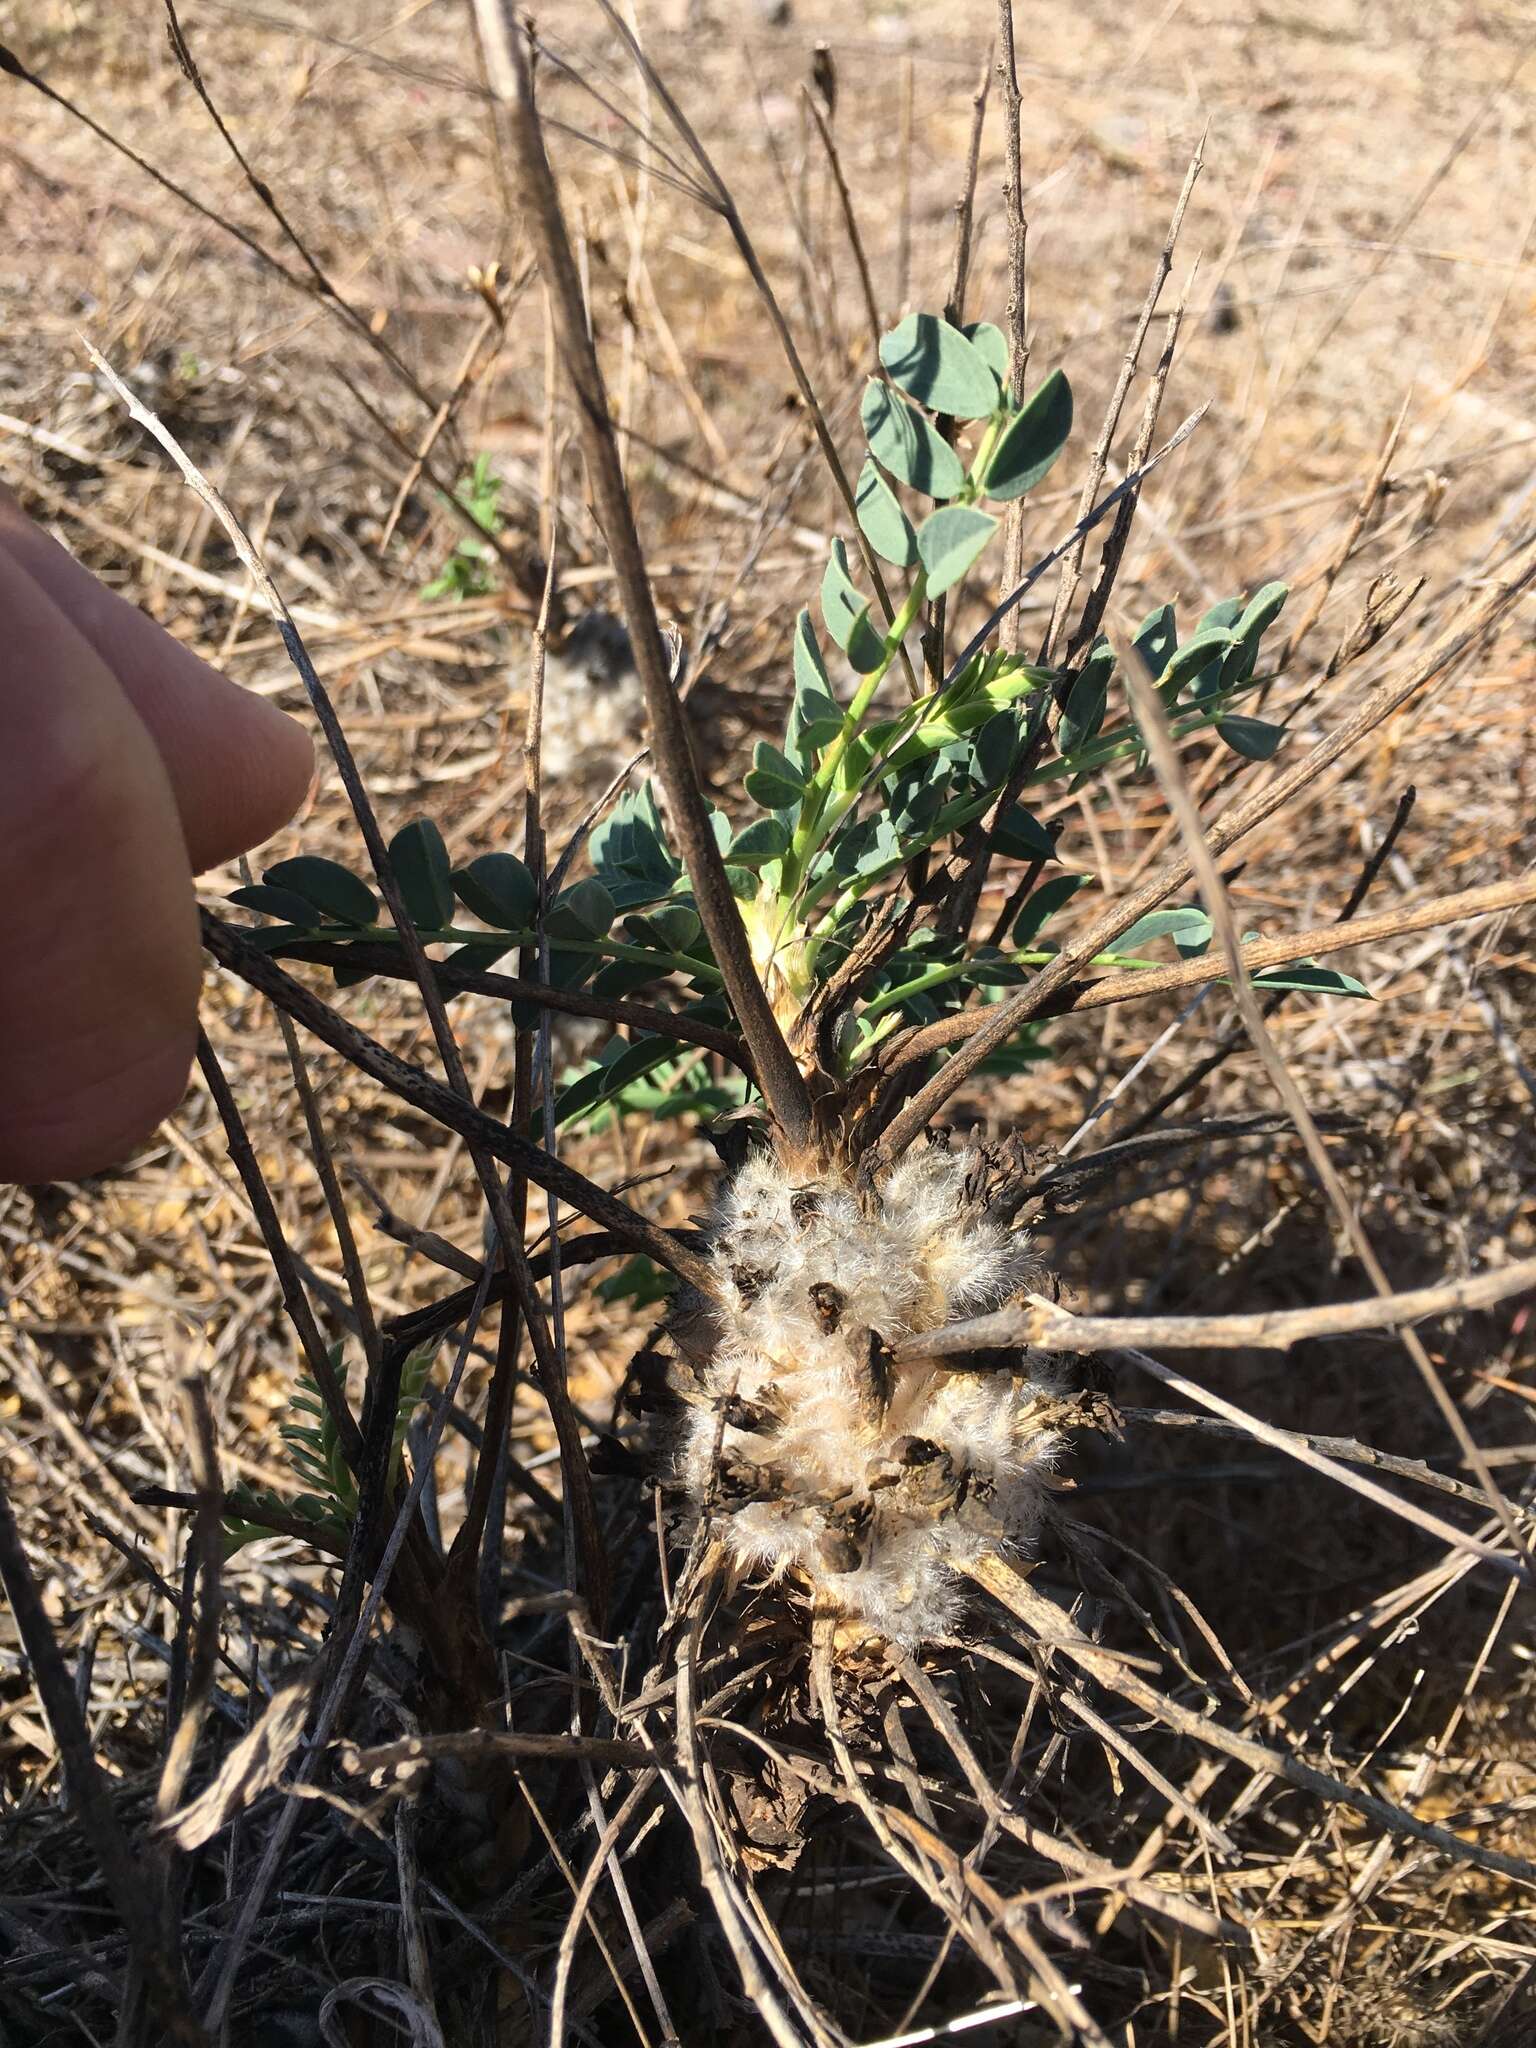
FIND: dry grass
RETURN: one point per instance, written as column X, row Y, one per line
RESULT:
column 1364, row 222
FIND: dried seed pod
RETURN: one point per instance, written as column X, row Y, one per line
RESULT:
column 752, row 1416
column 827, row 1301
column 886, row 1481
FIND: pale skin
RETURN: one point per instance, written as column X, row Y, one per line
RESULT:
column 127, row 767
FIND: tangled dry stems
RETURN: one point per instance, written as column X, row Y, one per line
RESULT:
column 881, row 1842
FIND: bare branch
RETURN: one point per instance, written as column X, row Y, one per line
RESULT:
column 1044, row 1326
column 1152, row 719
column 782, row 1084
column 446, row 1106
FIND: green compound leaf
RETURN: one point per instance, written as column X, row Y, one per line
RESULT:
column 1254, row 738
column 282, row 903
column 991, row 344
column 847, row 614
column 422, row 869
column 773, row 780
column 950, row 540
column 331, row 888
column 935, row 364
column 499, row 890
column 883, row 522
column 1031, row 442
column 906, row 444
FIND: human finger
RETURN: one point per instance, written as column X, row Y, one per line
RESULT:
column 99, row 962
column 237, row 765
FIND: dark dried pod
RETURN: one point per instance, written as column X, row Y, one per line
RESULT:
column 828, row 1303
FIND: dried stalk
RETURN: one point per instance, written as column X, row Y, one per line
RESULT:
column 1152, row 720
column 782, row 1084
column 985, row 1031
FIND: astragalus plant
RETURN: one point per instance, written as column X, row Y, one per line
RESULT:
column 788, row 1403
column 832, row 1466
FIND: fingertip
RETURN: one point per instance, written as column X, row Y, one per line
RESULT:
column 261, row 765
column 238, row 766
column 100, row 966
column 100, row 1122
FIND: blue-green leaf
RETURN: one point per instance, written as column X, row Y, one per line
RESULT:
column 1087, row 699
column 1156, row 638
column 993, row 750
column 908, row 445
column 991, row 344
column 421, row 867
column 671, row 929
column 767, row 839
column 628, row 850
column 284, row 903
column 638, row 1281
column 949, row 540
column 589, row 907
column 1207, row 646
column 1261, row 611
column 810, row 669
column 1032, row 441
column 884, row 523
column 1312, row 980
column 773, row 780
column 499, row 889
column 840, row 602
column 1254, row 738
column 847, row 614
column 1043, row 903
column 1184, row 925
column 814, row 713
column 1020, row 836
column 935, row 364
column 327, row 885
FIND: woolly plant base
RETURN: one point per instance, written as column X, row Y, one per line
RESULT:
column 782, row 1415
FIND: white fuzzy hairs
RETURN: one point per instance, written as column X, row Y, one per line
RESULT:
column 820, row 1459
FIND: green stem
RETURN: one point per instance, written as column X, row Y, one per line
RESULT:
column 813, row 805
column 935, row 977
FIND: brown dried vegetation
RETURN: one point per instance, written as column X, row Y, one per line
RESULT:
column 1250, row 1761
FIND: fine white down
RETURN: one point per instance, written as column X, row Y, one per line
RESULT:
column 816, row 1454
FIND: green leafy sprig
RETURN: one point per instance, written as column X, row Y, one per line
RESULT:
column 835, row 815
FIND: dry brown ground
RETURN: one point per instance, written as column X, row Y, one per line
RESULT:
column 1364, row 227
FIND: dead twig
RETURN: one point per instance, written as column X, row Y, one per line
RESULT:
column 783, row 1086
column 1152, row 719
column 1046, row 1327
